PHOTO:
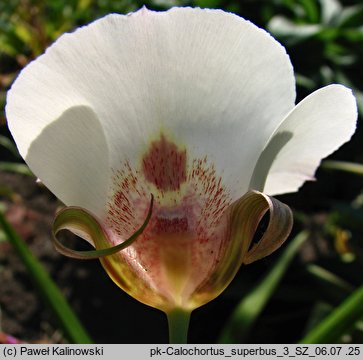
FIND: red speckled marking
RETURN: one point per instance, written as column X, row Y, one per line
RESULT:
column 187, row 226
column 165, row 165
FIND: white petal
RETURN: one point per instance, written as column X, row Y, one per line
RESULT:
column 316, row 127
column 70, row 156
column 210, row 80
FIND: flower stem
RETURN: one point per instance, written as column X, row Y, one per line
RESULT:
column 178, row 320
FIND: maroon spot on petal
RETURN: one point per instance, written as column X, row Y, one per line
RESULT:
column 164, row 165
column 172, row 226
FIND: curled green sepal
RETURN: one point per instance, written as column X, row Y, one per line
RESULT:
column 244, row 216
column 251, row 208
column 82, row 222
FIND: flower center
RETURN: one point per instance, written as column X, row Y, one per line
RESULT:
column 174, row 243
column 186, row 234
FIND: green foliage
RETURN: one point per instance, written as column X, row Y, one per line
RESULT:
column 332, row 32
column 51, row 294
column 247, row 311
column 339, row 321
column 28, row 27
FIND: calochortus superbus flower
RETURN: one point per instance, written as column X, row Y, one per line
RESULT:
column 168, row 129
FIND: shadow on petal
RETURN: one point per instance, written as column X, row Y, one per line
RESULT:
column 70, row 156
column 267, row 158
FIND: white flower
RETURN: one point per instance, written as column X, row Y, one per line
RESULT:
column 193, row 106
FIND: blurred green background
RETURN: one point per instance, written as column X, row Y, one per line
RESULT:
column 324, row 39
